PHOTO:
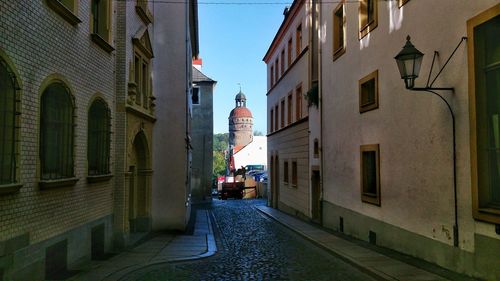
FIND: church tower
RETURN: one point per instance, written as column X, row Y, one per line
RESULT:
column 240, row 123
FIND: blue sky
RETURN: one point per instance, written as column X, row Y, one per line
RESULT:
column 233, row 41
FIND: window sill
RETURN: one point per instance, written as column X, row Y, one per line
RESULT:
column 64, row 12
column 489, row 215
column 99, row 178
column 367, row 29
column 144, row 14
column 338, row 53
column 10, row 188
column 47, row 184
column 101, row 42
column 370, row 198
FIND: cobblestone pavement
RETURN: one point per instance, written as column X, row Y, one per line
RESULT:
column 252, row 247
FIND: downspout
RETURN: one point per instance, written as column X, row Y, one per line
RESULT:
column 187, row 80
column 320, row 94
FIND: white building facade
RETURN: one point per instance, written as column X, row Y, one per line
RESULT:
column 388, row 165
column 293, row 124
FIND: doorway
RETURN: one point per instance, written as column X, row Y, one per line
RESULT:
column 316, row 196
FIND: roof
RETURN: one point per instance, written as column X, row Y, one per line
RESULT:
column 198, row 76
column 240, row 96
column 239, row 112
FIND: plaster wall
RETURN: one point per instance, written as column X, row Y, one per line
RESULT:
column 171, row 190
column 292, row 144
column 254, row 153
column 414, row 129
column 202, row 132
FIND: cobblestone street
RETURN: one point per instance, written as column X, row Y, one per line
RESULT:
column 253, row 247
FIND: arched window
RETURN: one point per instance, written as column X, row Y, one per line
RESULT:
column 56, row 133
column 98, row 138
column 8, row 134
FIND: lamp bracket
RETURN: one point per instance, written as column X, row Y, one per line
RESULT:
column 442, row 68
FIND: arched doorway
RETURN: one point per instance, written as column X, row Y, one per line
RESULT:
column 140, row 185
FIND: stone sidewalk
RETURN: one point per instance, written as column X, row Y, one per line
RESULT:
column 163, row 248
column 377, row 265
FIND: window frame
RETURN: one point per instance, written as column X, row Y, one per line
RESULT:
column 290, row 50
column 282, row 113
column 62, row 179
column 401, row 3
column 198, row 94
column 272, row 74
column 366, row 26
column 68, row 14
column 282, row 62
column 298, row 102
column 13, row 185
column 289, row 108
column 276, row 69
column 486, row 214
column 102, row 40
column 366, row 197
column 285, row 172
column 298, row 40
column 372, row 105
column 341, row 48
column 106, row 144
column 294, row 174
column 271, row 121
column 276, row 115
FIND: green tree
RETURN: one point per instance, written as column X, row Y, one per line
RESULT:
column 220, row 144
column 257, row 133
column 219, row 164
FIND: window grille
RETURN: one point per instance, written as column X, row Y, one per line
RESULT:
column 8, row 113
column 57, row 133
column 99, row 139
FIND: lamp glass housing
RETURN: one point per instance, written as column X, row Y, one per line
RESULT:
column 409, row 61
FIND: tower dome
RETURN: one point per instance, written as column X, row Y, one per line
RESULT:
column 240, row 122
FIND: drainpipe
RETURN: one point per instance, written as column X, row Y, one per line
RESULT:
column 320, row 94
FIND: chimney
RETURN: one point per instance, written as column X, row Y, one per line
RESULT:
column 285, row 12
column 198, row 63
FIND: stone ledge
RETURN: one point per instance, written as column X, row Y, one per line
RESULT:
column 10, row 188
column 47, row 184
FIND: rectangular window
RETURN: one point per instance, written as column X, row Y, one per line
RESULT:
column 8, row 124
column 282, row 62
column 282, row 120
column 338, row 31
column 100, row 19
column 294, row 173
column 196, row 95
column 272, row 75
column 276, row 118
column 298, row 41
column 289, row 52
column 285, row 172
column 276, row 70
column 138, row 77
column 370, row 174
column 289, row 109
column 145, row 84
column 298, row 103
column 368, row 13
column 368, row 92
column 484, row 97
column 271, row 123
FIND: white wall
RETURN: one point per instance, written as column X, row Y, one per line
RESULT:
column 413, row 128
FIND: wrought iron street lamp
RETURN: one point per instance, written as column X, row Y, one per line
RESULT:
column 409, row 60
